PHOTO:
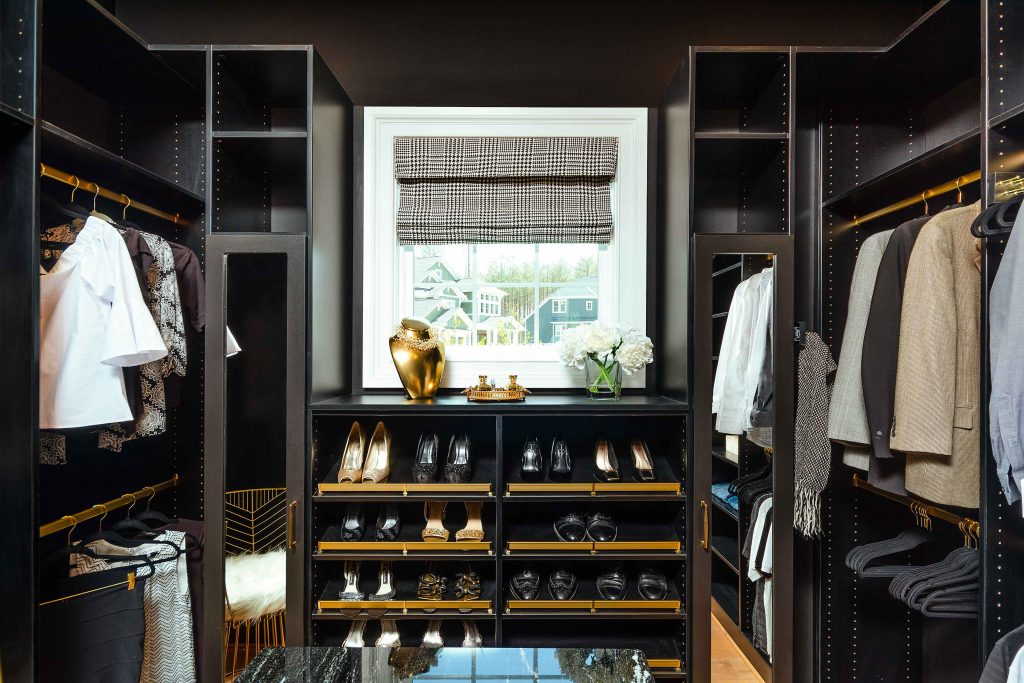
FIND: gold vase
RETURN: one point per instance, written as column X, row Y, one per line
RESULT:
column 418, row 353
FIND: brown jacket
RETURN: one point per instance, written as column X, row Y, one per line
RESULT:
column 939, row 364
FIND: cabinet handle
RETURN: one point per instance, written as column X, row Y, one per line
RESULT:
column 707, row 525
column 292, row 541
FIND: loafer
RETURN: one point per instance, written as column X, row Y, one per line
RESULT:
column 525, row 585
column 601, row 527
column 652, row 585
column 562, row 584
column 612, row 584
column 571, row 528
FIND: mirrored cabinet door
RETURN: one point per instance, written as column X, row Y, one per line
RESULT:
column 743, row 447
column 255, row 444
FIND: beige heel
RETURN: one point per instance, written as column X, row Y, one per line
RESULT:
column 378, row 456
column 474, row 529
column 605, row 462
column 351, row 466
column 433, row 511
column 643, row 468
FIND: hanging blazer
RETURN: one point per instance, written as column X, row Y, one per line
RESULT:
column 881, row 349
column 939, row 363
column 847, row 421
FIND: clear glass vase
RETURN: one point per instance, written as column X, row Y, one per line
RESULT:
column 604, row 380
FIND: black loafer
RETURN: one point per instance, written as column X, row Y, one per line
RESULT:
column 525, row 585
column 571, row 528
column 612, row 584
column 601, row 527
column 652, row 585
column 562, row 584
column 352, row 526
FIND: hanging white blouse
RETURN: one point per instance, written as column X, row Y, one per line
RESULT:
column 92, row 322
column 733, row 322
column 733, row 412
column 761, row 320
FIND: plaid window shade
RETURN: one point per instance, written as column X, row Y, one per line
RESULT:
column 511, row 189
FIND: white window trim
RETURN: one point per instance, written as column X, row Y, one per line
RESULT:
column 590, row 304
column 536, row 367
column 559, row 305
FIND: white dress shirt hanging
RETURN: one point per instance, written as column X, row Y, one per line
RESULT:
column 733, row 412
column 93, row 322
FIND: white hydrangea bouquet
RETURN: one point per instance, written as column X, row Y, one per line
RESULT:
column 605, row 352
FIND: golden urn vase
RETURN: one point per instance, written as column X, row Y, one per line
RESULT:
column 418, row 353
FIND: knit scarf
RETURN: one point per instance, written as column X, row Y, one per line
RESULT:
column 812, row 448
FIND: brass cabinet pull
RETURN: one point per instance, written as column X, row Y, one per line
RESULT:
column 292, row 541
column 707, row 525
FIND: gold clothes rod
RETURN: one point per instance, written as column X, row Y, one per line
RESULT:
column 69, row 521
column 955, row 184
column 923, row 508
column 94, row 189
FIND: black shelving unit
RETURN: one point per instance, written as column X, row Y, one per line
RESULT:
column 518, row 519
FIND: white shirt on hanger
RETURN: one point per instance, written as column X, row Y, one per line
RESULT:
column 92, row 322
column 761, row 319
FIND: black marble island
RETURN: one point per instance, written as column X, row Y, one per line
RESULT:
column 390, row 665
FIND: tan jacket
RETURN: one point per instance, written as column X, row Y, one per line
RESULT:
column 938, row 370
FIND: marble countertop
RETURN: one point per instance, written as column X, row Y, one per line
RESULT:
column 388, row 665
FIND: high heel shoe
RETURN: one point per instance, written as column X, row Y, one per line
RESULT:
column 561, row 463
column 350, row 592
column 432, row 637
column 431, row 586
column 643, row 468
column 388, row 634
column 424, row 469
column 434, row 531
column 388, row 523
column 605, row 463
column 474, row 529
column 385, row 591
column 459, row 468
column 468, row 586
column 355, row 634
column 532, row 468
column 377, row 465
column 350, row 469
column 352, row 525
column 472, row 637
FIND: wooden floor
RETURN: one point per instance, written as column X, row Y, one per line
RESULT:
column 728, row 665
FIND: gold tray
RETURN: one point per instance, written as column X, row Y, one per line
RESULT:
column 595, row 488
column 618, row 546
column 548, row 604
column 592, row 605
column 637, row 605
column 405, row 605
column 665, row 663
column 549, row 546
column 404, row 489
column 496, row 395
column 404, row 547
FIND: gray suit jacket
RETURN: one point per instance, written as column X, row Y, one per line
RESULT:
column 847, row 420
column 1006, row 349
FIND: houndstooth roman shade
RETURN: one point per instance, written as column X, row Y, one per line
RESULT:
column 511, row 189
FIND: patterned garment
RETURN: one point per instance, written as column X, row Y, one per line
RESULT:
column 504, row 189
column 165, row 305
column 812, row 448
column 169, row 651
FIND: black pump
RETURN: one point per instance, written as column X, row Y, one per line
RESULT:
column 533, row 462
column 459, row 468
column 424, row 469
column 561, row 463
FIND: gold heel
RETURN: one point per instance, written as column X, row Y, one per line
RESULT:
column 607, row 465
column 642, row 466
column 474, row 530
column 351, row 465
column 378, row 456
column 433, row 511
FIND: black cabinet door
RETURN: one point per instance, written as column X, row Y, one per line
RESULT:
column 255, row 417
column 719, row 571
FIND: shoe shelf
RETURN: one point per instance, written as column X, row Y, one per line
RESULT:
column 518, row 517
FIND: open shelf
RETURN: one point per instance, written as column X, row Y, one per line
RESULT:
column 725, row 508
column 394, row 402
column 260, row 184
column 727, row 549
column 935, row 166
column 260, row 90
column 68, row 152
column 740, row 93
column 739, row 185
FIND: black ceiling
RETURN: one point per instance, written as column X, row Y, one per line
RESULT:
column 518, row 52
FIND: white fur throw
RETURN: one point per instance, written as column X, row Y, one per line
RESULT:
column 254, row 585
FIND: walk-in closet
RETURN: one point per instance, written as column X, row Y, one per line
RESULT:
column 407, row 342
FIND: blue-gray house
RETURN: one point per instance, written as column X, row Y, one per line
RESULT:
column 566, row 308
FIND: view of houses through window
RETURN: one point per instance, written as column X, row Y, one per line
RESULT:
column 494, row 294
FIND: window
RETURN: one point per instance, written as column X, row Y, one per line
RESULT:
column 488, row 300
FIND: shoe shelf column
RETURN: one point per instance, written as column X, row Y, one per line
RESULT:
column 518, row 518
